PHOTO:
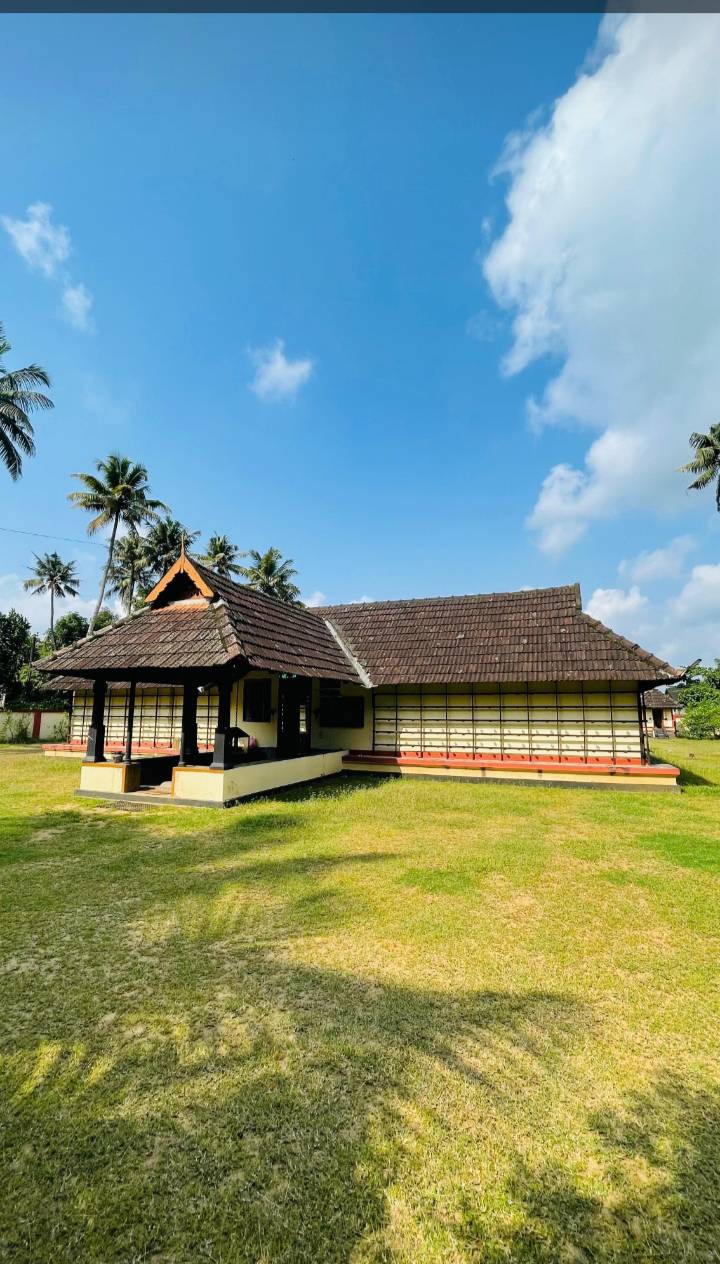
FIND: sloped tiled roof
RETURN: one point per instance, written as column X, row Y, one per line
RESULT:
column 656, row 698
column 539, row 634
column 275, row 636
column 236, row 625
column 534, row 635
column 171, row 637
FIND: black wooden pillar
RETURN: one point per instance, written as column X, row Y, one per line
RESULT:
column 188, row 725
column 127, row 757
column 222, row 748
column 95, row 749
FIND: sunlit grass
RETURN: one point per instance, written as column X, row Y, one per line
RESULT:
column 699, row 761
column 369, row 1021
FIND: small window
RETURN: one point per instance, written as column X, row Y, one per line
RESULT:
column 257, row 700
column 342, row 713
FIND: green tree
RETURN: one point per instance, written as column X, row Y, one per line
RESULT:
column 69, row 628
column 222, row 556
column 119, row 495
column 18, row 397
column 105, row 619
column 271, row 574
column 15, row 649
column 701, row 719
column 706, row 462
column 130, row 571
column 701, row 685
column 164, row 543
column 53, row 576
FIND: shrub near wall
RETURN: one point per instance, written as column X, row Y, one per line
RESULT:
column 16, row 727
column 34, row 725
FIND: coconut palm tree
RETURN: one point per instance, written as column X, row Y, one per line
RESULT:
column 118, row 495
column 706, row 462
column 164, row 543
column 222, row 556
column 269, row 573
column 130, row 572
column 18, row 397
column 52, row 575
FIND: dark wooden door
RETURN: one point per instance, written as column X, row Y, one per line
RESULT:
column 293, row 735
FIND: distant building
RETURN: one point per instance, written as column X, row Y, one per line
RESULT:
column 662, row 713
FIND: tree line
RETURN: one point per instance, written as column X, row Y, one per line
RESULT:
column 143, row 540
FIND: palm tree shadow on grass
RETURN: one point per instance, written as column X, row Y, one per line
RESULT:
column 659, row 1199
column 263, row 1122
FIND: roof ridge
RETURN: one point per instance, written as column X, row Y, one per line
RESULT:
column 406, row 601
column 352, row 658
column 226, row 629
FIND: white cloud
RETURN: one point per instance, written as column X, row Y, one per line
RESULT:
column 699, row 599
column 37, row 608
column 316, row 598
column 610, row 261
column 42, row 244
column 613, row 605
column 45, row 247
column 360, row 601
column 680, row 629
column 77, row 302
column 276, row 377
column 659, row 564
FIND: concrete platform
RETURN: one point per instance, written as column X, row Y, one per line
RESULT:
column 203, row 786
column 619, row 776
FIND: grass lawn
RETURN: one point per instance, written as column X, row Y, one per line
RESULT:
column 369, row 1021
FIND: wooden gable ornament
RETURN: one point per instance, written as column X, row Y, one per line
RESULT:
column 183, row 582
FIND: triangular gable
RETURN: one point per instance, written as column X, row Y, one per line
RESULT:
column 171, row 585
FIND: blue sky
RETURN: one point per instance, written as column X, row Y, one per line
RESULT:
column 294, row 283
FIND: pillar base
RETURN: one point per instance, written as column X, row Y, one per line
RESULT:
column 222, row 750
column 95, row 749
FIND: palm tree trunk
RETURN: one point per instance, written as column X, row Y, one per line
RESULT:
column 131, row 590
column 106, row 572
column 52, row 618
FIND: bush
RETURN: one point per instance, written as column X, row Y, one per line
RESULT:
column 701, row 719
column 61, row 732
column 16, row 730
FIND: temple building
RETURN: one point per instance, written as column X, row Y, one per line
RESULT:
column 213, row 692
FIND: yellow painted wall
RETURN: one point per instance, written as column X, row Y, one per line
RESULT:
column 265, row 734
column 596, row 721
column 221, row 786
column 158, row 713
column 343, row 739
column 109, row 778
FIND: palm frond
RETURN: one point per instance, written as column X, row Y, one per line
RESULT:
column 18, row 396
column 702, row 480
column 19, row 433
column 10, row 456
